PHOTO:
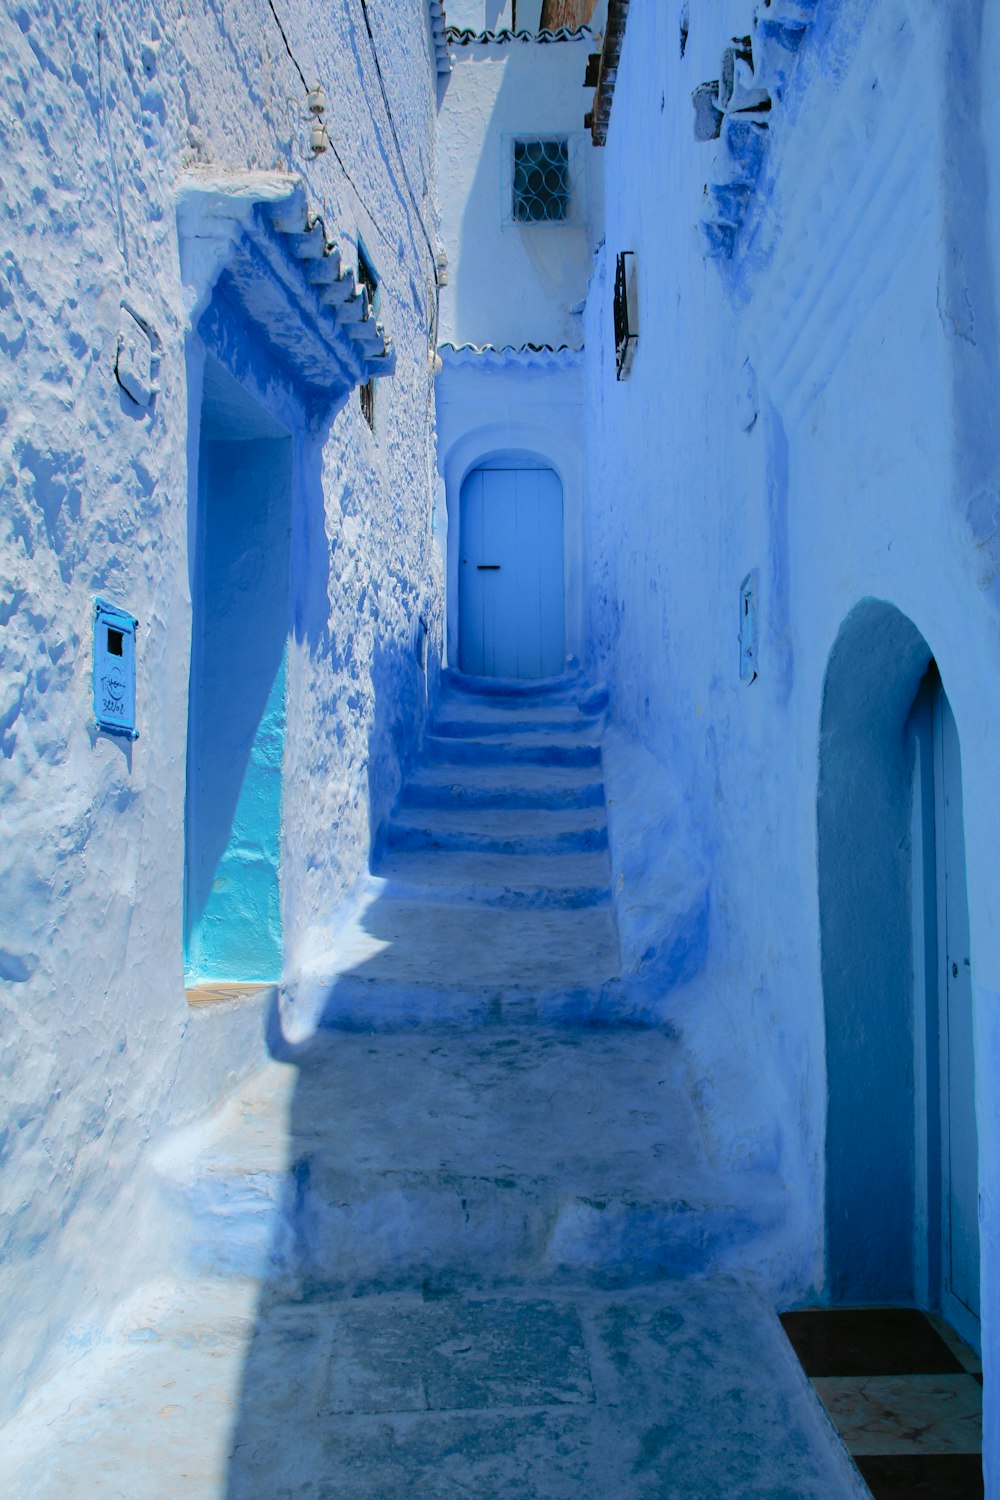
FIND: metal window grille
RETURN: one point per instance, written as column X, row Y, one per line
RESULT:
column 368, row 279
column 541, row 185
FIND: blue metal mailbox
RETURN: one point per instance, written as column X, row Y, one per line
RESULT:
column 114, row 669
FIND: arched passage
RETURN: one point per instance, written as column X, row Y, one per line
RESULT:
column 900, row 1142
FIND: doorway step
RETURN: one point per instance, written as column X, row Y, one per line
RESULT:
column 462, row 1234
column 905, row 1393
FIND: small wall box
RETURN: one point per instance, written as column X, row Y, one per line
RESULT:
column 114, row 670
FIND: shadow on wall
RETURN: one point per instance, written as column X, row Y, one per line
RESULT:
column 404, row 684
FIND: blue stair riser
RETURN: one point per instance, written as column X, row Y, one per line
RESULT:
column 577, row 839
column 331, row 1229
column 473, row 729
column 476, row 753
column 355, row 1003
column 503, row 897
column 516, row 799
column 567, row 689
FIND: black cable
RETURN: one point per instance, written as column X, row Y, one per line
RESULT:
column 295, row 64
column 288, row 48
column 395, row 136
column 392, row 125
column 387, row 242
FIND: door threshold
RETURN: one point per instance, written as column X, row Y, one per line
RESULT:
column 226, row 992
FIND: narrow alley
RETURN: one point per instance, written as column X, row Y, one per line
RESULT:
column 499, row 587
column 465, row 1239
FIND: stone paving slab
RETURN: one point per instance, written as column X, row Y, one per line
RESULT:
column 674, row 1392
column 396, row 941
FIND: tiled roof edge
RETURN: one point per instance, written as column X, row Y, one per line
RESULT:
column 524, row 356
column 464, row 36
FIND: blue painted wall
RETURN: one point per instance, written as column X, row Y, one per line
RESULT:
column 237, row 696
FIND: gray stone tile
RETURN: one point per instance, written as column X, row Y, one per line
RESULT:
column 456, row 1355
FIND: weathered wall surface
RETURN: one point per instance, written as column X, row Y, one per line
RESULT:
column 815, row 409
column 103, row 108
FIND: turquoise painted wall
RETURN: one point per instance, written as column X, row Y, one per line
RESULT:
column 237, row 706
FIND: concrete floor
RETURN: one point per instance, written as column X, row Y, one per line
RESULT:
column 454, row 1249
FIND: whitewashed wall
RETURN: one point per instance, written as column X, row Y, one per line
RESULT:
column 520, row 283
column 513, row 286
column 854, row 457
column 103, row 108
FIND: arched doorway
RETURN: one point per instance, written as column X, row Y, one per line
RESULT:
column 901, row 1150
column 511, row 587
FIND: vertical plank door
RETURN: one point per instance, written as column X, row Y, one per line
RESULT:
column 511, row 591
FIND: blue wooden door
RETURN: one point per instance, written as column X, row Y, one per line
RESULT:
column 959, row 1147
column 511, row 610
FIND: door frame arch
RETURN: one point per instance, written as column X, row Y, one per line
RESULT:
column 877, row 907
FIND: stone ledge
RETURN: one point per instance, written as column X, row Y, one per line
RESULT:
column 256, row 230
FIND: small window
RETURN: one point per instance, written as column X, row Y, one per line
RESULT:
column 626, row 313
column 543, row 180
column 368, row 279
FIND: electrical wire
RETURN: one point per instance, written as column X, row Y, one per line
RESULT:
column 395, row 136
column 399, row 149
column 337, row 156
column 288, row 47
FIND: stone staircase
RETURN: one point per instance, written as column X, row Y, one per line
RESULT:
column 463, row 1237
column 490, row 897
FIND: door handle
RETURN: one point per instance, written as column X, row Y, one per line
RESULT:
column 488, row 567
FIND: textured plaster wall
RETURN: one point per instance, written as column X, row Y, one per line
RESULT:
column 102, row 109
column 517, row 284
column 853, row 456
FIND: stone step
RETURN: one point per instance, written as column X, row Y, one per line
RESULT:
column 375, row 1003
column 462, row 726
column 452, row 704
column 497, row 830
column 478, row 950
column 568, row 688
column 503, row 786
column 524, row 750
column 512, row 880
column 459, row 1158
